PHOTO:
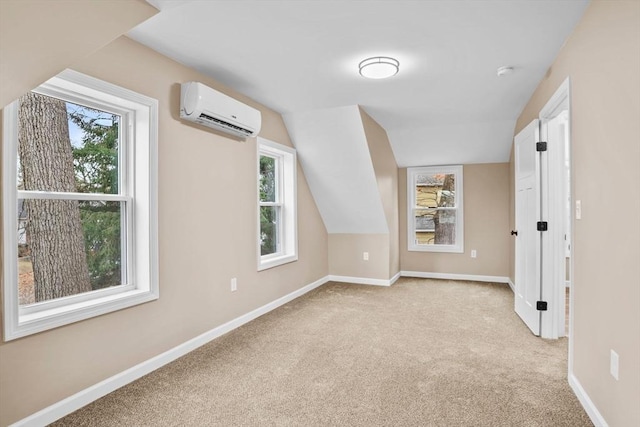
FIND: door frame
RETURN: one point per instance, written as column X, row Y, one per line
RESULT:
column 553, row 209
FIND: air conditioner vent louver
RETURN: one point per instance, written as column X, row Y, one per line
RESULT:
column 225, row 124
column 210, row 108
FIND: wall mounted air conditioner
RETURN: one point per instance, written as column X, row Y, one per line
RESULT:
column 208, row 107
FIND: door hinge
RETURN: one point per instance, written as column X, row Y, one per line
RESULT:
column 542, row 225
column 541, row 305
column 541, row 146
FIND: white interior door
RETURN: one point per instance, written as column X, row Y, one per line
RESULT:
column 528, row 267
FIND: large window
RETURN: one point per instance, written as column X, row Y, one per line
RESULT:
column 434, row 197
column 79, row 204
column 277, row 236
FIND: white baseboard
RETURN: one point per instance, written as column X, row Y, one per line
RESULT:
column 512, row 286
column 72, row 403
column 596, row 417
column 395, row 278
column 448, row 276
column 360, row 280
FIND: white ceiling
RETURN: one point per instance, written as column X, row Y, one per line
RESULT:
column 445, row 106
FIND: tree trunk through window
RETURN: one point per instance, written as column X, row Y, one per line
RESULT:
column 445, row 227
column 54, row 231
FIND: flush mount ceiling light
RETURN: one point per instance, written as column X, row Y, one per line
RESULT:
column 503, row 71
column 379, row 67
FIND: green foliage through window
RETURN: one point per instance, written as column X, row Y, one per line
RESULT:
column 268, row 214
column 95, row 161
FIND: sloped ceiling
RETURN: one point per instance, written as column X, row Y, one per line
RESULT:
column 333, row 151
column 445, row 106
column 74, row 29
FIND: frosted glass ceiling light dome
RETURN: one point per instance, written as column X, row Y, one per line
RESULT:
column 379, row 67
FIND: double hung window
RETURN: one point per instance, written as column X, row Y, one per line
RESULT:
column 79, row 182
column 277, row 236
column 435, row 214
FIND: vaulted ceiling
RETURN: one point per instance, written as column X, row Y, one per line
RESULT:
column 445, row 106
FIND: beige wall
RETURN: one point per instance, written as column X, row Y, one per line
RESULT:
column 346, row 250
column 386, row 170
column 602, row 58
column 207, row 235
column 67, row 31
column 486, row 221
column 345, row 255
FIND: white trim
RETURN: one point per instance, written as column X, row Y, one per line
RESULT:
column 139, row 132
column 511, row 285
column 596, row 417
column 449, row 276
column 82, row 398
column 31, row 323
column 287, row 199
column 418, row 274
column 360, row 280
column 395, row 278
column 552, row 323
column 553, row 106
column 55, row 195
column 458, row 171
column 10, row 217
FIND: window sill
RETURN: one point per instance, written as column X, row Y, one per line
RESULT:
column 265, row 264
column 432, row 248
column 43, row 320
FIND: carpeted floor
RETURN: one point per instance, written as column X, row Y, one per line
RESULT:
column 420, row 353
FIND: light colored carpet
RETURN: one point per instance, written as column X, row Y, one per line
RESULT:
column 420, row 353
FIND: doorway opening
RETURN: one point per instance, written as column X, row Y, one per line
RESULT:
column 542, row 155
column 555, row 130
column 556, row 195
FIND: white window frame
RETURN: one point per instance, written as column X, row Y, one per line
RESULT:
column 286, row 199
column 412, row 173
column 138, row 189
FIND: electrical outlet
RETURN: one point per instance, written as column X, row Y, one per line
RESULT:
column 474, row 253
column 365, row 256
column 234, row 284
column 615, row 364
column 578, row 209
